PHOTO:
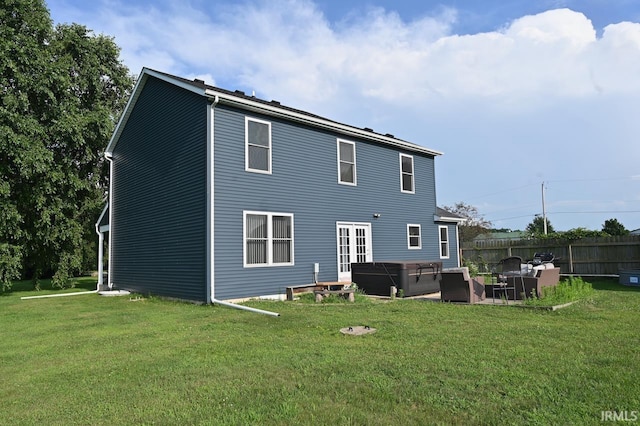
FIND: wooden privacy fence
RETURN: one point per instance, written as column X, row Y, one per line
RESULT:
column 587, row 256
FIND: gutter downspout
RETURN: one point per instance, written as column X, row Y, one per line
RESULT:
column 210, row 219
column 109, row 158
column 100, row 254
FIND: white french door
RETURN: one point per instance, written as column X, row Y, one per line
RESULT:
column 354, row 246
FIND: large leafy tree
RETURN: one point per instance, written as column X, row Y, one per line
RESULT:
column 536, row 227
column 614, row 228
column 62, row 90
column 475, row 223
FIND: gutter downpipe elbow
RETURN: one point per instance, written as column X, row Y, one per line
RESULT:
column 109, row 157
column 210, row 249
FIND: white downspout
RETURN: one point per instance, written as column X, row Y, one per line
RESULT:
column 458, row 245
column 210, row 219
column 109, row 158
column 210, row 201
column 100, row 257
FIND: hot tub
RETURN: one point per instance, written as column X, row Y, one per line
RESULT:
column 629, row 277
column 412, row 277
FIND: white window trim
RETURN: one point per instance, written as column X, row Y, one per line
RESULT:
column 246, row 146
column 419, row 246
column 270, row 262
column 355, row 169
column 440, row 241
column 413, row 175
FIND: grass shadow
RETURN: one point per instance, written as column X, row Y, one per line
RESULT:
column 45, row 285
column 611, row 284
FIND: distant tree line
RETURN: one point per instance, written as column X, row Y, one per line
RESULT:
column 476, row 225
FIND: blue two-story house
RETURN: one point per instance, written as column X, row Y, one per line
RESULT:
column 217, row 195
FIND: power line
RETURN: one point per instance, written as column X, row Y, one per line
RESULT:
column 600, row 179
column 599, row 212
column 548, row 213
column 503, row 191
column 636, row 177
column 513, row 217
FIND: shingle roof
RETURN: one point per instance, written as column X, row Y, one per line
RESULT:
column 446, row 213
column 273, row 107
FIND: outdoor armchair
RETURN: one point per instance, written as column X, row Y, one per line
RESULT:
column 457, row 286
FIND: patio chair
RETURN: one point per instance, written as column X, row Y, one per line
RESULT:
column 457, row 286
column 510, row 273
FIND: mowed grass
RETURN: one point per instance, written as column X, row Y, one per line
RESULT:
column 96, row 360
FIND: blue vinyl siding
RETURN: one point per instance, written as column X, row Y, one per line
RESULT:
column 159, row 195
column 304, row 182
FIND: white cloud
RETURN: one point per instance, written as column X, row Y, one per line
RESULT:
column 541, row 98
column 287, row 49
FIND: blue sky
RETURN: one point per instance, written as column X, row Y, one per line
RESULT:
column 515, row 93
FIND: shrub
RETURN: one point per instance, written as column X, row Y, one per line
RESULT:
column 567, row 290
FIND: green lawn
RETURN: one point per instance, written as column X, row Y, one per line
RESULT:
column 110, row 360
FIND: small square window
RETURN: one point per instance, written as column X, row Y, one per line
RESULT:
column 414, row 237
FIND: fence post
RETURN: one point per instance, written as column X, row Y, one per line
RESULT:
column 570, row 260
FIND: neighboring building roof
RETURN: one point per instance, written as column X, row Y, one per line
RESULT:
column 273, row 108
column 635, row 232
column 443, row 215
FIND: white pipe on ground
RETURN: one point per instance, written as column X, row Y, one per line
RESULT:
column 46, row 296
column 245, row 308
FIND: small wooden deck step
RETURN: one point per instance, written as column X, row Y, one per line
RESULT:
column 307, row 288
column 349, row 293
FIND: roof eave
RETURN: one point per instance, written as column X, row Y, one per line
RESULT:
column 457, row 220
column 260, row 107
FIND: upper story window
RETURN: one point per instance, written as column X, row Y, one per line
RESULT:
column 268, row 239
column 406, row 174
column 257, row 145
column 413, row 237
column 444, row 242
column 346, row 162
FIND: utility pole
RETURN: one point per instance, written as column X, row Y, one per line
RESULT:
column 544, row 212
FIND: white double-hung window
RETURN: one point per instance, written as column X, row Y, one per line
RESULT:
column 414, row 239
column 407, row 183
column 444, row 242
column 268, row 239
column 257, row 145
column 346, row 162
